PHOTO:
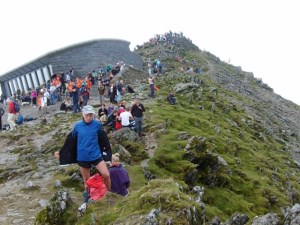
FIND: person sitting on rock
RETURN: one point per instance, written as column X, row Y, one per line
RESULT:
column 66, row 106
column 102, row 111
column 119, row 176
column 126, row 117
column 171, row 98
column 19, row 119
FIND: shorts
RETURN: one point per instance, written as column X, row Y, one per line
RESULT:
column 88, row 164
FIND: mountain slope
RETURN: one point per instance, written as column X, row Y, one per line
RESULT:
column 227, row 150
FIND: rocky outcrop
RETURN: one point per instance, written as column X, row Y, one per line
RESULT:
column 211, row 168
column 53, row 212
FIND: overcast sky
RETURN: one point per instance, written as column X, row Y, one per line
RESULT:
column 261, row 36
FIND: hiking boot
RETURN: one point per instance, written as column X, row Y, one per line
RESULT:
column 82, row 209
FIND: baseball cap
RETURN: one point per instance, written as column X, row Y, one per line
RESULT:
column 88, row 109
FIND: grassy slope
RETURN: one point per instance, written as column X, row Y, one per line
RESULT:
column 260, row 168
column 259, row 179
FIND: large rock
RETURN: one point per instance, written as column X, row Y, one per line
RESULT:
column 211, row 168
column 268, row 219
column 53, row 212
column 124, row 134
column 182, row 87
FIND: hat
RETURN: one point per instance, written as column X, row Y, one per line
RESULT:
column 88, row 109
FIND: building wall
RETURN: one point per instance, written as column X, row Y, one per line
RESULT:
column 84, row 57
column 89, row 56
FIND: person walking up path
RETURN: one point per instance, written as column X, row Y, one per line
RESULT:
column 137, row 111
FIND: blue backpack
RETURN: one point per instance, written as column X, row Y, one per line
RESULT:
column 17, row 107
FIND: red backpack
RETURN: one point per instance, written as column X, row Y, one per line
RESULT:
column 96, row 187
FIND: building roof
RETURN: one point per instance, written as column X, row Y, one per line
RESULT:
column 45, row 60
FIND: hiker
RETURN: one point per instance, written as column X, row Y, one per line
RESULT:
column 102, row 111
column 110, row 109
column 2, row 111
column 44, row 101
column 88, row 149
column 34, row 97
column 171, row 98
column 19, row 118
column 112, row 119
column 66, row 106
column 119, row 176
column 102, row 114
column 11, row 117
column 75, row 98
column 113, row 93
column 84, row 93
column 151, row 85
column 137, row 111
column 101, row 91
column 125, row 117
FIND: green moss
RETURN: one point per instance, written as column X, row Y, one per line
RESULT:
column 76, row 185
column 136, row 150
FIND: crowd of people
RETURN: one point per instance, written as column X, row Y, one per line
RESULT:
column 74, row 93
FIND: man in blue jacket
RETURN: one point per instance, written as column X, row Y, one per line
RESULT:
column 88, row 149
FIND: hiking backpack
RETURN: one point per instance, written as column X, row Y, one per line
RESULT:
column 17, row 107
column 96, row 187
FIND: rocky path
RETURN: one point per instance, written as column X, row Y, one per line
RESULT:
column 23, row 195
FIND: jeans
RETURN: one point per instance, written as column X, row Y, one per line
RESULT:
column 138, row 125
column 85, row 99
column 76, row 107
column 151, row 90
column 52, row 98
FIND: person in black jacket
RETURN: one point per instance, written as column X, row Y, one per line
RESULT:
column 113, row 93
column 137, row 111
column 102, row 111
column 2, row 111
column 68, row 152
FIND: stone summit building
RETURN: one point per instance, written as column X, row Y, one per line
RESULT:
column 83, row 57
